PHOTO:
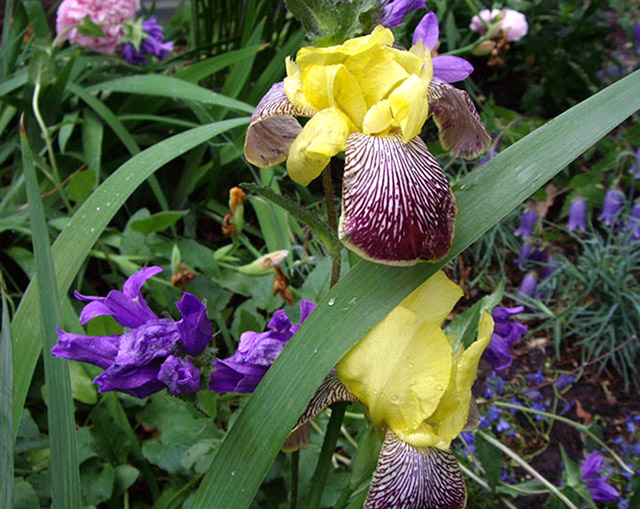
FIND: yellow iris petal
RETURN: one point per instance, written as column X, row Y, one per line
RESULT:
column 378, row 118
column 293, row 88
column 376, row 72
column 410, row 106
column 323, row 137
column 449, row 419
column 434, row 299
column 399, row 370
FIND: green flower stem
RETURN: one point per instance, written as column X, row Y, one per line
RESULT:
column 333, row 221
column 295, row 461
column 580, row 427
column 47, row 140
column 326, row 453
column 468, row 47
column 499, row 445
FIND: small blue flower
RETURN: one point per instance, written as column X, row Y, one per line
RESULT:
column 494, row 413
column 153, row 44
column 528, row 285
column 613, row 202
column 634, row 221
column 635, row 167
column 577, row 215
column 537, row 377
column 527, row 224
column 598, row 487
column 502, row 426
column 564, row 380
column 505, row 334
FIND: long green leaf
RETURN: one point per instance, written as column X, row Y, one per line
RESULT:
column 6, row 382
column 201, row 70
column 63, row 468
column 173, row 88
column 74, row 243
column 370, row 291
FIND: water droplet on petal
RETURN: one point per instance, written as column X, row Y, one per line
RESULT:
column 232, row 474
column 394, row 399
column 315, row 350
column 332, row 301
column 97, row 209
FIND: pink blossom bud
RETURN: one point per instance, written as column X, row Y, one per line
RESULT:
column 513, row 23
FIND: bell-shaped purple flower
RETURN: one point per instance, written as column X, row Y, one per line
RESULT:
column 257, row 351
column 447, row 68
column 152, row 44
column 396, row 10
column 528, row 285
column 577, row 215
column 598, row 486
column 634, row 221
column 527, row 224
column 505, row 334
column 140, row 361
column 613, row 202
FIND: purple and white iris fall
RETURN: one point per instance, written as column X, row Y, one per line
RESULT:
column 256, row 353
column 505, row 333
column 598, row 486
column 152, row 353
column 152, row 44
column 447, row 68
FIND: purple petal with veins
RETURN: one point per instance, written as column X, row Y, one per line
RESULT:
column 451, row 68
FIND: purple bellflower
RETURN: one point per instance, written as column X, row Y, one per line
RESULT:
column 527, row 224
column 636, row 29
column 577, row 215
column 151, row 354
column 447, row 68
column 257, row 351
column 598, row 487
column 528, row 285
column 634, row 221
column 152, row 44
column 505, row 334
column 613, row 202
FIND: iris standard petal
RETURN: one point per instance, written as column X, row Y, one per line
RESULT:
column 323, row 137
column 397, row 207
column 408, row 477
column 460, row 127
column 451, row 68
column 272, row 128
column 399, row 370
column 434, row 299
column 410, row 106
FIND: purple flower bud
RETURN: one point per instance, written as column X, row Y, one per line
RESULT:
column 577, row 215
column 613, row 202
column 396, row 10
column 526, row 253
column 528, row 285
column 527, row 224
column 181, row 376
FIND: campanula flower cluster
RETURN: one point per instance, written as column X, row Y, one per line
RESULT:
column 153, row 353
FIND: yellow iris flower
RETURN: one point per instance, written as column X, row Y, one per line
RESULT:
column 417, row 391
column 371, row 100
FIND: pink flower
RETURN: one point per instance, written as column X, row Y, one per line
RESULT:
column 102, row 12
column 513, row 23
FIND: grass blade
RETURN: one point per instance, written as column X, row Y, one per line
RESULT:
column 173, row 88
column 6, row 382
column 370, row 291
column 63, row 466
column 74, row 243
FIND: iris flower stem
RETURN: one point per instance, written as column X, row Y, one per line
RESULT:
column 580, row 427
column 295, row 460
column 326, row 453
column 332, row 218
column 499, row 445
column 468, row 47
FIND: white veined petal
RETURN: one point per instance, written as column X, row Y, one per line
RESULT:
column 397, row 206
column 410, row 478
